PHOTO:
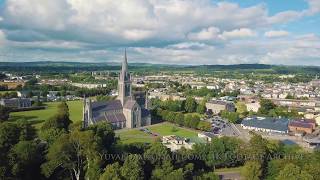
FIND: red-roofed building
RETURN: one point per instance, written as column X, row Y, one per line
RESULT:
column 303, row 125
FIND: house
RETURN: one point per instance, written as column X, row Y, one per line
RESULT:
column 305, row 126
column 216, row 106
column 175, row 143
column 253, row 106
column 207, row 136
column 16, row 103
column 265, row 124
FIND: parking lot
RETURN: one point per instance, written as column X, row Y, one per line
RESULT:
column 222, row 127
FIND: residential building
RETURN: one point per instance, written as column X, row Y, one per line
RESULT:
column 253, row 106
column 175, row 143
column 16, row 103
column 265, row 124
column 216, row 106
column 304, row 126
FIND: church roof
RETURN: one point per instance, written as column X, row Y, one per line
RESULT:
column 107, row 111
column 115, row 117
column 106, row 105
column 129, row 104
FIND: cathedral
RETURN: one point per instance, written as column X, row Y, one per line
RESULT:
column 129, row 110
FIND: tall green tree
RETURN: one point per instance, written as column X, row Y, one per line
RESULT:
column 25, row 159
column 179, row 119
column 201, row 108
column 252, row 170
column 71, row 152
column 9, row 136
column 190, row 105
column 103, row 135
column 132, row 167
column 4, row 113
column 266, row 106
column 293, row 172
column 157, row 153
column 112, row 172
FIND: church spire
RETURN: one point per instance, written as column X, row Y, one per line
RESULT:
column 125, row 63
column 124, row 83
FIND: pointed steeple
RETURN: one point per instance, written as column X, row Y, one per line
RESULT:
column 124, row 63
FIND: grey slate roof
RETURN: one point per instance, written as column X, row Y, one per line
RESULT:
column 115, row 117
column 100, row 111
column 129, row 104
column 267, row 123
column 106, row 105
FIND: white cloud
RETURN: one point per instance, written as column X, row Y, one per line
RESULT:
column 126, row 21
column 272, row 34
column 238, row 33
column 172, row 31
column 210, row 33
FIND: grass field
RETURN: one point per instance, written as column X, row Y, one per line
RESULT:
column 163, row 129
column 3, row 92
column 37, row 117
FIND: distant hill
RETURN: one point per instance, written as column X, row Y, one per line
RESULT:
column 49, row 66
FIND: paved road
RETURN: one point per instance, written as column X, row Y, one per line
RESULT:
column 229, row 175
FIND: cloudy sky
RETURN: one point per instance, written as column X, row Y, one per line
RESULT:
column 161, row 31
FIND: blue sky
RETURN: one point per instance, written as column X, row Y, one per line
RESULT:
column 168, row 31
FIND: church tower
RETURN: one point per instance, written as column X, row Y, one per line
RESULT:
column 124, row 82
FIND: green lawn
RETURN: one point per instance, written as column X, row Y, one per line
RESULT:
column 163, row 129
column 3, row 92
column 37, row 117
column 133, row 136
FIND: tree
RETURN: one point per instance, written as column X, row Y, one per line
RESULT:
column 112, row 172
column 258, row 148
column 161, row 172
column 204, row 126
column 188, row 120
column 57, row 124
column 72, row 152
column 265, row 106
column 103, row 135
column 25, row 159
column 157, row 153
column 252, row 170
column 241, row 109
column 170, row 116
column 201, row 108
column 179, row 119
column 60, row 120
column 232, row 117
column 4, row 113
column 190, row 105
column 27, row 131
column 132, row 167
column 293, row 172
column 9, row 136
column 194, row 122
